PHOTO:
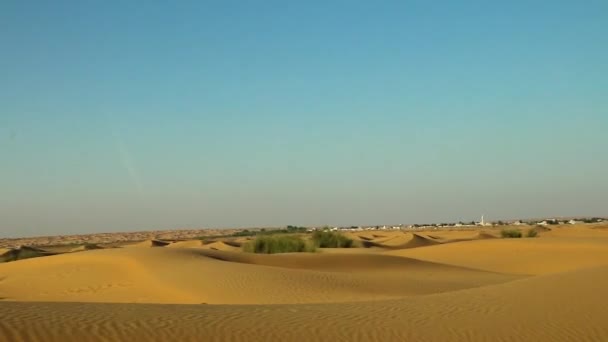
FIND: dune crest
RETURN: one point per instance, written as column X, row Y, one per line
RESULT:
column 150, row 243
column 443, row 286
column 186, row 244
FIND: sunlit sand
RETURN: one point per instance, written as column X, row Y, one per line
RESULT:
column 425, row 286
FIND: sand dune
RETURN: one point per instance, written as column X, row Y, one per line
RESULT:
column 23, row 252
column 561, row 307
column 186, row 244
column 150, row 243
column 486, row 235
column 415, row 287
column 393, row 240
column 186, row 275
column 531, row 256
column 220, row 246
column 233, row 243
column 418, row 241
column 86, row 247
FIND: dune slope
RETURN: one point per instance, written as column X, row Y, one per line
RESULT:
column 557, row 307
column 475, row 288
column 196, row 275
column 531, row 256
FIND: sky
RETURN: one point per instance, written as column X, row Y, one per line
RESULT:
column 123, row 116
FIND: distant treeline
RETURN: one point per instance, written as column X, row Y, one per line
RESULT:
column 264, row 231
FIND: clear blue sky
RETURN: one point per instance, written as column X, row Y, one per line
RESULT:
column 152, row 115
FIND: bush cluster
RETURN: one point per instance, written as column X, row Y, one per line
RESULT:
column 532, row 233
column 331, row 240
column 510, row 233
column 271, row 244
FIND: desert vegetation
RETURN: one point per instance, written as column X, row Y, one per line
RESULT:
column 516, row 233
column 271, row 244
column 331, row 240
column 267, row 243
column 510, row 233
column 532, row 233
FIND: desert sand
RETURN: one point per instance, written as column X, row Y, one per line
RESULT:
column 402, row 286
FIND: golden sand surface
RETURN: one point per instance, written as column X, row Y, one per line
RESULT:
column 423, row 286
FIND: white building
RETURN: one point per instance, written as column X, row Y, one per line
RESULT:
column 482, row 222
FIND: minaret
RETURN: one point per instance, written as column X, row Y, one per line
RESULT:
column 482, row 223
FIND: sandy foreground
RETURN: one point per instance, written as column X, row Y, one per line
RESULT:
column 431, row 286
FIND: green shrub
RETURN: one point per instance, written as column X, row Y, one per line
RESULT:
column 532, row 233
column 245, row 232
column 331, row 240
column 510, row 233
column 270, row 244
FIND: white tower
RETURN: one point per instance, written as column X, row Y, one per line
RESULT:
column 482, row 222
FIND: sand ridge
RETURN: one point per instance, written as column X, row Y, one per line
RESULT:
column 150, row 243
column 426, row 286
column 165, row 275
column 393, row 240
column 539, row 309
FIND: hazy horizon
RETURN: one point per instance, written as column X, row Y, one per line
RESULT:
column 117, row 117
column 376, row 224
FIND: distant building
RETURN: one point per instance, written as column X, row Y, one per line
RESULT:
column 482, row 222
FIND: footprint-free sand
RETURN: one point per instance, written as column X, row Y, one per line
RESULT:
column 427, row 286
